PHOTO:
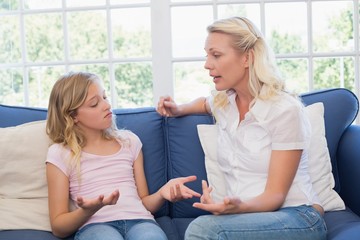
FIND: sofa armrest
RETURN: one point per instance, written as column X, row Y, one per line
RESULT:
column 348, row 160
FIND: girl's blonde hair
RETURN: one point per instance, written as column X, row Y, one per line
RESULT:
column 263, row 73
column 68, row 94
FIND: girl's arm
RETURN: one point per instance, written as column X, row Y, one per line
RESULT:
column 167, row 107
column 63, row 222
column 282, row 170
column 174, row 190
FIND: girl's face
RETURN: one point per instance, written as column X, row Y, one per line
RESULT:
column 95, row 113
column 227, row 66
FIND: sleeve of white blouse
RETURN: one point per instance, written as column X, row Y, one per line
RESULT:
column 290, row 128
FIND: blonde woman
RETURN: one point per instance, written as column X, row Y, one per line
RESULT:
column 94, row 164
column 263, row 136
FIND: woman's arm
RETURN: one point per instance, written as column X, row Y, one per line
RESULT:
column 282, row 170
column 173, row 191
column 167, row 107
column 63, row 222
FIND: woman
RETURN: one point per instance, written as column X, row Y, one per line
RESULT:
column 263, row 134
column 100, row 168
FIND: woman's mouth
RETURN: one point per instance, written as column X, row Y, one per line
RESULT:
column 216, row 78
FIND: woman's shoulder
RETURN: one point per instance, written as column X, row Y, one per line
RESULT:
column 277, row 106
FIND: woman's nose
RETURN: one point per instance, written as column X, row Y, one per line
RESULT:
column 207, row 64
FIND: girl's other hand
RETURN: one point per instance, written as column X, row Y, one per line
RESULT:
column 175, row 190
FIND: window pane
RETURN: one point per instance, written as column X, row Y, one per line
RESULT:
column 131, row 32
column 83, row 3
column 41, row 81
column 188, row 36
column 295, row 74
column 251, row 11
column 87, row 35
column 101, row 70
column 191, row 81
column 181, row 1
column 6, row 5
column 11, row 87
column 334, row 72
column 333, row 26
column 10, row 50
column 41, row 4
column 280, row 24
column 128, row 1
column 44, row 37
column 133, row 85
column 358, row 24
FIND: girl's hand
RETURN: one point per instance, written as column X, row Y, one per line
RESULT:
column 93, row 205
column 167, row 107
column 175, row 190
column 230, row 205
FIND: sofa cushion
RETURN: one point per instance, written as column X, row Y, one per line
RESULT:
column 186, row 158
column 319, row 160
column 23, row 189
column 208, row 135
column 341, row 107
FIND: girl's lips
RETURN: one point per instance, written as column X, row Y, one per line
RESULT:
column 108, row 115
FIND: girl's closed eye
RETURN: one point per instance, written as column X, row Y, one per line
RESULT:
column 94, row 104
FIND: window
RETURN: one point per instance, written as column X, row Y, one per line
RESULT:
column 147, row 48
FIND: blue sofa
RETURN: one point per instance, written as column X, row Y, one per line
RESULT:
column 172, row 149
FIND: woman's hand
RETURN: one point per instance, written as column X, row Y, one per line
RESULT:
column 93, row 205
column 228, row 206
column 175, row 190
column 167, row 107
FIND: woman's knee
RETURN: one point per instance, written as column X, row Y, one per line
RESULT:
column 201, row 228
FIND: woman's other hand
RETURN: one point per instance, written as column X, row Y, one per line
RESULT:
column 167, row 107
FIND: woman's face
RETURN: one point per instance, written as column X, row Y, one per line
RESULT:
column 227, row 66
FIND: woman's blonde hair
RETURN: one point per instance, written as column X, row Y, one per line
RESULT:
column 263, row 73
column 68, row 94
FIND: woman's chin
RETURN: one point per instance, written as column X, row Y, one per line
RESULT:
column 220, row 88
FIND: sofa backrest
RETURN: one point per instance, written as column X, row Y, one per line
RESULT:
column 172, row 148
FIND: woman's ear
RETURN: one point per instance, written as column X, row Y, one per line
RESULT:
column 249, row 57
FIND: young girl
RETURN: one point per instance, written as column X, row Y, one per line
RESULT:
column 99, row 167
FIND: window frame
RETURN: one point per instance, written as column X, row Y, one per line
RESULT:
column 161, row 37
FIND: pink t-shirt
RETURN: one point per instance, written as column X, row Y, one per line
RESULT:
column 103, row 175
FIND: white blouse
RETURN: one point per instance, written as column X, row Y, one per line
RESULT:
column 244, row 148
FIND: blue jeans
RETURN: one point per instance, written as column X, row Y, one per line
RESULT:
column 294, row 223
column 122, row 230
